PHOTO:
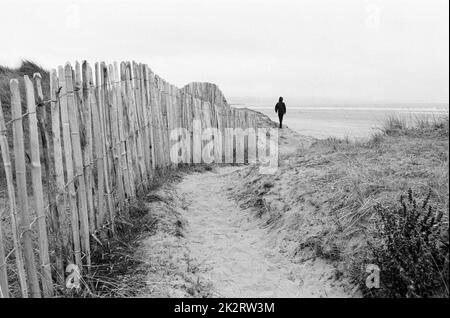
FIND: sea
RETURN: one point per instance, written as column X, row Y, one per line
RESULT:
column 346, row 121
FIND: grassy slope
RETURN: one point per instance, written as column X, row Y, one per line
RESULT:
column 26, row 68
column 320, row 201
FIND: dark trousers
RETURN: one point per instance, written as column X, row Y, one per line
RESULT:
column 280, row 117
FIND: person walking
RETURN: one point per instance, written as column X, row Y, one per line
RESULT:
column 280, row 108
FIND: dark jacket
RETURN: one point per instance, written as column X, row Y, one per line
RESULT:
column 280, row 108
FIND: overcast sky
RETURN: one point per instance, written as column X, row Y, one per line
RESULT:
column 393, row 50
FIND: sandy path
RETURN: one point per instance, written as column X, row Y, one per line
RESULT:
column 225, row 251
column 229, row 246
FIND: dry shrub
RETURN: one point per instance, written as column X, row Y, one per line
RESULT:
column 411, row 248
column 394, row 125
column 117, row 270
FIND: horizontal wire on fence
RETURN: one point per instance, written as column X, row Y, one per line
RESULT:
column 40, row 104
column 7, row 257
column 105, row 86
column 161, row 127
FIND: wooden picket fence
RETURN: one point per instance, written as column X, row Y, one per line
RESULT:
column 106, row 135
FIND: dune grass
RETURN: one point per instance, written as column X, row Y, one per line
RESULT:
column 407, row 153
column 327, row 198
column 26, row 67
column 407, row 125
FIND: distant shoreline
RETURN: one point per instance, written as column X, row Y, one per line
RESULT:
column 346, row 121
column 422, row 109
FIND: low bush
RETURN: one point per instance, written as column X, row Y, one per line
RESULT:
column 411, row 248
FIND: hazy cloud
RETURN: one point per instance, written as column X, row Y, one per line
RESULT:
column 393, row 50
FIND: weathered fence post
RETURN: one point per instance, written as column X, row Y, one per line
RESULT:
column 122, row 138
column 117, row 163
column 98, row 146
column 150, row 115
column 78, row 164
column 104, row 117
column 88, row 149
column 19, row 157
column 135, row 105
column 4, row 290
column 12, row 206
column 4, row 293
column 45, row 132
column 127, row 130
column 69, row 166
column 38, row 193
column 60, row 194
